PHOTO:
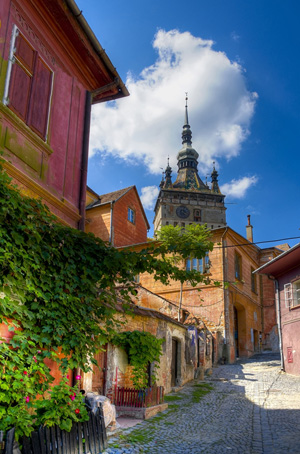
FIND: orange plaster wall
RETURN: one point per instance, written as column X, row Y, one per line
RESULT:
column 98, row 221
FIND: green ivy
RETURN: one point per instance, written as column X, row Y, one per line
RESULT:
column 142, row 349
column 57, row 294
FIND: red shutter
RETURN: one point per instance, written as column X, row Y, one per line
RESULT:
column 21, row 77
column 24, row 53
column 19, row 91
column 40, row 98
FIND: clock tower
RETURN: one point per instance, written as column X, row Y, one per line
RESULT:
column 188, row 200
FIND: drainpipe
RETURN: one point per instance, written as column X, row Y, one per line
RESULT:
column 278, row 310
column 84, row 159
column 111, row 223
column 226, row 305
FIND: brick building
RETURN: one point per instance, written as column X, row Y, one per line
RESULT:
column 241, row 313
column 117, row 217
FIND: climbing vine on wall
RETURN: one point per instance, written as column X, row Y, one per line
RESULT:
column 57, row 295
column 142, row 349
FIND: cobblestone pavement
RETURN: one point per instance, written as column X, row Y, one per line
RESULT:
column 253, row 408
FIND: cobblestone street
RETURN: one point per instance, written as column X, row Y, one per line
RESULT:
column 249, row 407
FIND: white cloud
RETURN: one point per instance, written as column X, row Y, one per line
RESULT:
column 148, row 196
column 146, row 127
column 237, row 188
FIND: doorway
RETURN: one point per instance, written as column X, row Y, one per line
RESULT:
column 99, row 372
column 175, row 364
column 236, row 332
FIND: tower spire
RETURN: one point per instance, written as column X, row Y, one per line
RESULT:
column 168, row 177
column 186, row 132
column 214, row 180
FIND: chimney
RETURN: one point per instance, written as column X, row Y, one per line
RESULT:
column 249, row 230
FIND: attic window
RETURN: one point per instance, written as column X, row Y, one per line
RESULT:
column 131, row 215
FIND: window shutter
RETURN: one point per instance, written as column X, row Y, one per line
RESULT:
column 21, row 77
column 39, row 106
column 24, row 53
column 288, row 295
column 19, row 91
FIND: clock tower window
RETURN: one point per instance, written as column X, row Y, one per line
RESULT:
column 197, row 215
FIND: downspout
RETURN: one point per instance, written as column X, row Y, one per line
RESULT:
column 226, row 305
column 278, row 310
column 111, row 223
column 84, row 159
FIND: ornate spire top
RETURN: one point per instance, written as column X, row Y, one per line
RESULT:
column 186, row 109
column 214, row 180
column 186, row 132
column 168, row 177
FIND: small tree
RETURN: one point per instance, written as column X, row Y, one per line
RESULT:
column 192, row 241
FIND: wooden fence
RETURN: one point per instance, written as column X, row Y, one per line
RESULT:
column 137, row 398
column 85, row 438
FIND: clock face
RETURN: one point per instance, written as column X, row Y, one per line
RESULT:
column 183, row 212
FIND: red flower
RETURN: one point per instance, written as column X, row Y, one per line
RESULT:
column 26, row 399
column 77, row 411
column 78, row 377
column 25, row 373
column 21, row 379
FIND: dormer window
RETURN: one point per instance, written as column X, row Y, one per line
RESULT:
column 131, row 215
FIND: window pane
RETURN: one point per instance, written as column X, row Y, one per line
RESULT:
column 195, row 264
column 188, row 265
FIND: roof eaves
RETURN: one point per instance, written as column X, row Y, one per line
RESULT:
column 277, row 258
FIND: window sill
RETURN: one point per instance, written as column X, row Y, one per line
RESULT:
column 239, row 281
column 295, row 307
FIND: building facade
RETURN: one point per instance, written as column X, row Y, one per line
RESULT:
column 52, row 69
column 240, row 310
column 284, row 270
column 188, row 200
column 117, row 217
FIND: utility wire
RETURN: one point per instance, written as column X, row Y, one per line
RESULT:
column 257, row 242
column 239, row 244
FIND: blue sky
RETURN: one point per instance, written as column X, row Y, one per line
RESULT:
column 239, row 62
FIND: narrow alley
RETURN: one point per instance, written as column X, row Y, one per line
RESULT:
column 250, row 407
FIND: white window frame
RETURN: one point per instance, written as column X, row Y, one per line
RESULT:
column 131, row 215
column 201, row 265
column 292, row 294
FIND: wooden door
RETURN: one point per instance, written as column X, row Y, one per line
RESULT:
column 99, row 372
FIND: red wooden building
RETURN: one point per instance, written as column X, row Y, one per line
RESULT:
column 52, row 69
